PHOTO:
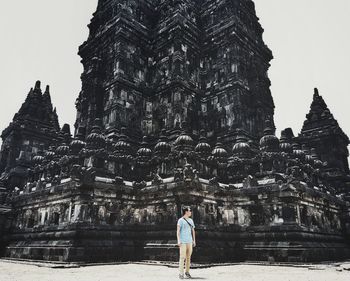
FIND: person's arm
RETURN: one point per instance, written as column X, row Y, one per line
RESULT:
column 194, row 237
column 178, row 235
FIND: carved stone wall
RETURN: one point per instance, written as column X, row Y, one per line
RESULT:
column 107, row 220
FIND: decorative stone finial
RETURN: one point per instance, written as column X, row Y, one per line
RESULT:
column 37, row 85
column 184, row 126
column 241, row 136
column 97, row 128
column 316, row 94
column 81, row 133
column 66, row 129
column 268, row 128
column 123, row 130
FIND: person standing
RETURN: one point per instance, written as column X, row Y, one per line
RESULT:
column 186, row 240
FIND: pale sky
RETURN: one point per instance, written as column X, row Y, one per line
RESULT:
column 310, row 40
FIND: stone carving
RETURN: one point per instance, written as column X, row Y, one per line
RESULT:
column 178, row 175
column 189, row 173
column 157, row 180
column 139, row 185
column 249, row 182
column 83, row 174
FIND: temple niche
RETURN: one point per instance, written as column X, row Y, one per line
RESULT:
column 175, row 109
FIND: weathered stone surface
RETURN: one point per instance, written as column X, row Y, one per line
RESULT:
column 5, row 217
column 175, row 109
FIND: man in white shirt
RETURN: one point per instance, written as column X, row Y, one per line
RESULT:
column 186, row 239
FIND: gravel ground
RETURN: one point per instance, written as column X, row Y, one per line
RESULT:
column 11, row 271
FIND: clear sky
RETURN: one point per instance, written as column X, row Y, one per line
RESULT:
column 310, row 40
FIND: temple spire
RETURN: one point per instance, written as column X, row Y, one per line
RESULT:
column 36, row 121
column 316, row 94
column 37, row 85
column 47, row 90
column 319, row 114
column 322, row 132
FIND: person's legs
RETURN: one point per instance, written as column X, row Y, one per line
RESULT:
column 182, row 258
column 188, row 256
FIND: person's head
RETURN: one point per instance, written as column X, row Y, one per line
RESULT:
column 187, row 211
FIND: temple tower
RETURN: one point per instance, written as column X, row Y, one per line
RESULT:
column 153, row 65
column 33, row 128
column 234, row 67
column 322, row 133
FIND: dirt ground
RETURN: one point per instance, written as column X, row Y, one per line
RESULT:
column 13, row 271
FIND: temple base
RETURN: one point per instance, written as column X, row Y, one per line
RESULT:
column 101, row 245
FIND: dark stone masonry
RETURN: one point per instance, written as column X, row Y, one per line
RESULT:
column 175, row 109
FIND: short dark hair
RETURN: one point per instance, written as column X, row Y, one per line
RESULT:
column 185, row 209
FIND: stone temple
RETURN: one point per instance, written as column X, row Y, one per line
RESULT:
column 175, row 109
